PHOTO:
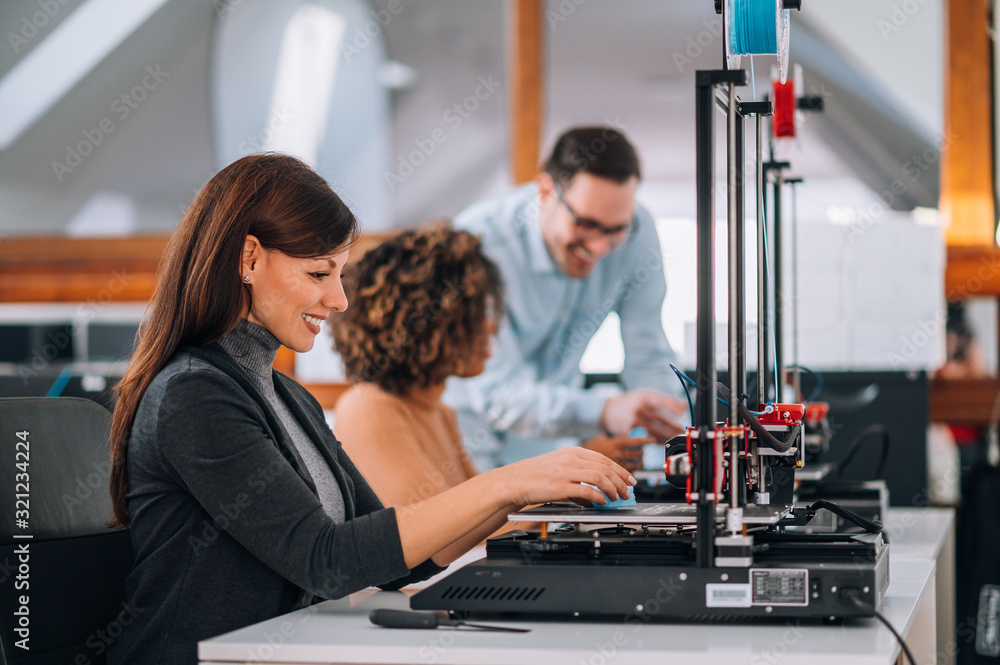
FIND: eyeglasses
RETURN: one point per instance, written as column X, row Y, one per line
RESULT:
column 591, row 229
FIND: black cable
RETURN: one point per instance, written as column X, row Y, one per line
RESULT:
column 759, row 430
column 852, row 595
column 849, row 515
column 687, row 393
column 856, row 445
column 818, row 388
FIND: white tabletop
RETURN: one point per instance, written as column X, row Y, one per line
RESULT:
column 339, row 631
column 918, row 533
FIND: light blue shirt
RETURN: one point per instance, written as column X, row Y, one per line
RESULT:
column 531, row 399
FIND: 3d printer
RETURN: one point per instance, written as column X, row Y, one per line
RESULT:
column 727, row 550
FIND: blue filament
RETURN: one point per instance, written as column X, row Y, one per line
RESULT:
column 753, row 29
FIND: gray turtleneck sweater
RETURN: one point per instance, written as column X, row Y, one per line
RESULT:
column 254, row 348
column 227, row 526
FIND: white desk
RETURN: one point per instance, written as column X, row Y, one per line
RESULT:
column 339, row 631
column 929, row 534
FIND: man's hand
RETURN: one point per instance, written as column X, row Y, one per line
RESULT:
column 653, row 411
column 625, row 450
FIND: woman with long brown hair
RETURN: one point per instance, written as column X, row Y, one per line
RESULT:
column 242, row 505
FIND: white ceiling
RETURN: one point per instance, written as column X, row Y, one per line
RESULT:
column 618, row 61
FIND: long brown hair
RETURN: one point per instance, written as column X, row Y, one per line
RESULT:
column 199, row 294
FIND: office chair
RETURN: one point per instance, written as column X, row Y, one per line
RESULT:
column 57, row 556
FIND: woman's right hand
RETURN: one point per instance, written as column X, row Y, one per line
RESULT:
column 558, row 475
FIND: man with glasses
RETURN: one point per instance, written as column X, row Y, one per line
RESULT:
column 573, row 247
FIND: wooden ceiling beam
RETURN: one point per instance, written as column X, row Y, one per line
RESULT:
column 100, row 271
column 967, row 147
column 526, row 61
column 60, row 269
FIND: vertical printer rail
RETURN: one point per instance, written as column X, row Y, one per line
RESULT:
column 718, row 88
column 705, row 448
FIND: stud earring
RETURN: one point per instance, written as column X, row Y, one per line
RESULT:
column 246, row 279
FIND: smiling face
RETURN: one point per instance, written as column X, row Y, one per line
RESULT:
column 293, row 297
column 605, row 202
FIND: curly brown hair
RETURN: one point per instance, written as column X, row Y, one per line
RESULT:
column 420, row 302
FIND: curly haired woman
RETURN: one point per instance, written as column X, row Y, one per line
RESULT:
column 426, row 303
column 425, row 306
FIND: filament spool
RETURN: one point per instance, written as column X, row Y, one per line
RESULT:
column 757, row 27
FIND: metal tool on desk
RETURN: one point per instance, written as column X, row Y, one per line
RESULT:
column 429, row 620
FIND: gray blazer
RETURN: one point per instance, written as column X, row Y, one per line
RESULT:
column 226, row 524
